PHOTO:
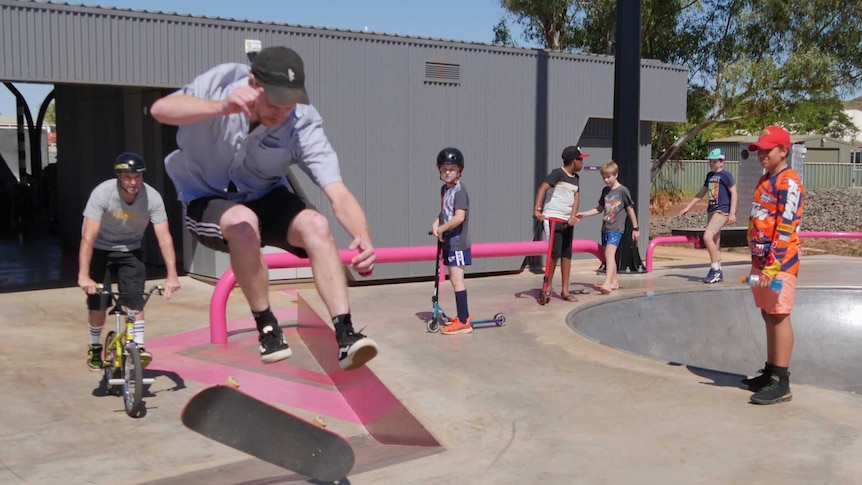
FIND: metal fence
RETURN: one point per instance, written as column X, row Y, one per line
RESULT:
column 689, row 175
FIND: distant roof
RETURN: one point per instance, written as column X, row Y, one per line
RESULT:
column 793, row 139
column 646, row 61
column 854, row 104
column 752, row 139
column 260, row 22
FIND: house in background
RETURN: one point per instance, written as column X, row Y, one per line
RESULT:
column 821, row 149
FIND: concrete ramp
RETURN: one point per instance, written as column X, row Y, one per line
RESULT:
column 722, row 330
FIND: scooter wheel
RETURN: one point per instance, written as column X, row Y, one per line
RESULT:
column 544, row 298
column 432, row 326
column 500, row 319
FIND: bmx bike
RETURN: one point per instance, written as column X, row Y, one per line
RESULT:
column 121, row 362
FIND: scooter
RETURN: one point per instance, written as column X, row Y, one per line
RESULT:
column 545, row 294
column 438, row 316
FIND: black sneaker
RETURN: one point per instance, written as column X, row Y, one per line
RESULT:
column 354, row 349
column 773, row 393
column 94, row 357
column 758, row 382
column 273, row 347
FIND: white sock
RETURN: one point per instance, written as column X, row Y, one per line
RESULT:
column 716, row 266
column 139, row 332
column 95, row 334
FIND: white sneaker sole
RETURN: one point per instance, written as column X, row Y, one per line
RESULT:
column 364, row 350
column 277, row 356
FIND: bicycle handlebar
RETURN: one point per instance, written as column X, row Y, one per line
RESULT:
column 147, row 294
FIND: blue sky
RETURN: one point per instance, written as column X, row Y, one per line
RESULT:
column 467, row 20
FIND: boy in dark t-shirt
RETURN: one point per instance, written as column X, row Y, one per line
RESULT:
column 720, row 186
column 451, row 227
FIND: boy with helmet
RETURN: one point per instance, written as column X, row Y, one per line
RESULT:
column 115, row 218
column 451, row 227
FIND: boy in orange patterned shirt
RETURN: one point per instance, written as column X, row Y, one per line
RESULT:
column 773, row 238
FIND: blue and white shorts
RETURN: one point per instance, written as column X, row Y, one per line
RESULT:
column 458, row 258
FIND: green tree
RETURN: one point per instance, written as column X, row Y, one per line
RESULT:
column 751, row 62
column 51, row 114
column 546, row 22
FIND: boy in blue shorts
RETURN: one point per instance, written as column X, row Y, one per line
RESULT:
column 614, row 203
column 720, row 186
column 451, row 227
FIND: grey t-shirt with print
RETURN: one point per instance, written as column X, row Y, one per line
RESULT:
column 122, row 225
column 614, row 203
column 455, row 198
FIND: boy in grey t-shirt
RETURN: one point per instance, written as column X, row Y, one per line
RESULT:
column 451, row 228
column 615, row 203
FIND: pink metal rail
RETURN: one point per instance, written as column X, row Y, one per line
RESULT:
column 218, row 303
column 696, row 240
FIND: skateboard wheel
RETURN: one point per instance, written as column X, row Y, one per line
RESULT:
column 319, row 421
column 230, row 381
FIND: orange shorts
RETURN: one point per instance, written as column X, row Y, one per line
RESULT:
column 777, row 303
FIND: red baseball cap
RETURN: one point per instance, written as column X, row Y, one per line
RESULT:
column 771, row 137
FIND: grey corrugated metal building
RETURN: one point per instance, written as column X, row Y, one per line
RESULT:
column 390, row 103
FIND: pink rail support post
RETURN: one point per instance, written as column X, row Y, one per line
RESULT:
column 696, row 240
column 218, row 302
column 668, row 240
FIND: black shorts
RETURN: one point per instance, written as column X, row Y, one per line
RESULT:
column 275, row 211
column 127, row 269
column 561, row 238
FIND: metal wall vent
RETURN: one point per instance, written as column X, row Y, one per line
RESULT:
column 440, row 73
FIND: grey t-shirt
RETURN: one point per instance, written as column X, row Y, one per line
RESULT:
column 123, row 224
column 220, row 151
column 614, row 203
column 455, row 198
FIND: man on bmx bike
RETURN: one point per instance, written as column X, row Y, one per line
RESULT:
column 115, row 218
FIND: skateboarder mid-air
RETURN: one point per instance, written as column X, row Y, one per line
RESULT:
column 240, row 128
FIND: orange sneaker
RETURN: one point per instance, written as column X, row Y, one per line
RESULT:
column 456, row 327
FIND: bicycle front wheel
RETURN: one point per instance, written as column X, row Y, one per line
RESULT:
column 133, row 389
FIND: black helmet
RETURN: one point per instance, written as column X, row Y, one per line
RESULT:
column 130, row 162
column 450, row 155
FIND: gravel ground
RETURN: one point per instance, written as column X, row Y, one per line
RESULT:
column 833, row 210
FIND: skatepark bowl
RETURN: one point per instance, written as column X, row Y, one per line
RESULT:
column 719, row 333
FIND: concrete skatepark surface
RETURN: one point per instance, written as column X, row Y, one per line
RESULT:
column 529, row 402
column 721, row 329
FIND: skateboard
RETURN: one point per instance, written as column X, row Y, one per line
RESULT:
column 233, row 418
